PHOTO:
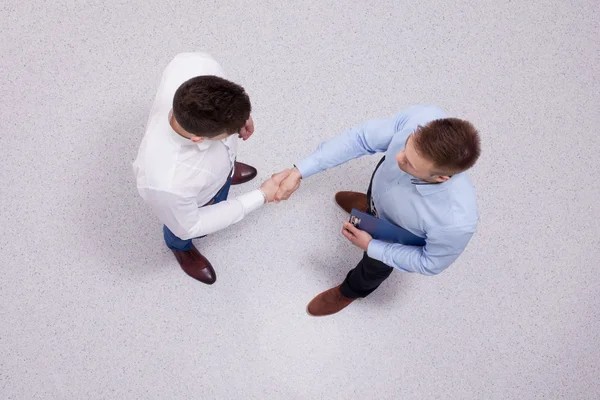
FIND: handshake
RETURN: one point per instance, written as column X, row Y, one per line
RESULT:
column 281, row 185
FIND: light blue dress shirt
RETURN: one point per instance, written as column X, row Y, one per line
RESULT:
column 445, row 214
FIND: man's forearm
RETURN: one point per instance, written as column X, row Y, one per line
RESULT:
column 328, row 155
column 213, row 218
column 369, row 138
column 402, row 257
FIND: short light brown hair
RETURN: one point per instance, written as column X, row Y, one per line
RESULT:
column 210, row 105
column 452, row 144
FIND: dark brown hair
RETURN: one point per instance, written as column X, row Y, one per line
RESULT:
column 209, row 106
column 451, row 143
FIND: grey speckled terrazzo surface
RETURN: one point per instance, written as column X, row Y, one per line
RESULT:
column 93, row 306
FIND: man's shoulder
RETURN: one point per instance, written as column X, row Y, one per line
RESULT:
column 156, row 134
column 456, row 204
column 464, row 201
column 156, row 158
column 421, row 114
column 193, row 64
column 182, row 68
column 407, row 120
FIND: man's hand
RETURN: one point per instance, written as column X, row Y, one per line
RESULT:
column 289, row 185
column 271, row 186
column 247, row 130
column 358, row 238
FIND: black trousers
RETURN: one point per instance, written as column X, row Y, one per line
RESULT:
column 369, row 273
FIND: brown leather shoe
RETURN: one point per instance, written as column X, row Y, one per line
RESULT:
column 243, row 173
column 196, row 265
column 329, row 302
column 350, row 200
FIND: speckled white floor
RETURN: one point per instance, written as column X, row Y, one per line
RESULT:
column 93, row 306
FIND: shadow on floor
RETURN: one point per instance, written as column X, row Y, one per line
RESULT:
column 332, row 271
column 115, row 227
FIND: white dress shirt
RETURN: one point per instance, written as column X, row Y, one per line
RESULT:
column 176, row 176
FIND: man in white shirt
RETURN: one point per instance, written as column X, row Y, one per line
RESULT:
column 187, row 159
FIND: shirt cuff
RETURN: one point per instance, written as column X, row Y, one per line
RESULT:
column 308, row 167
column 376, row 249
column 251, row 201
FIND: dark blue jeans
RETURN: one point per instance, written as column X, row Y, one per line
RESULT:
column 175, row 243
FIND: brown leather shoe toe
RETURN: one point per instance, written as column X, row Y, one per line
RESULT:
column 329, row 302
column 243, row 173
column 196, row 265
column 350, row 200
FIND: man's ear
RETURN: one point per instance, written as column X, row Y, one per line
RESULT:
column 441, row 178
column 197, row 139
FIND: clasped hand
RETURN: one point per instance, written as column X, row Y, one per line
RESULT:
column 283, row 184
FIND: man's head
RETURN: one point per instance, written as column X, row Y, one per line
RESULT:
column 440, row 149
column 210, row 107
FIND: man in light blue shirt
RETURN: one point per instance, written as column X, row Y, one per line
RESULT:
column 420, row 185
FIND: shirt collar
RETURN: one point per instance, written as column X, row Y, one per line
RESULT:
column 426, row 190
column 177, row 138
column 203, row 145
